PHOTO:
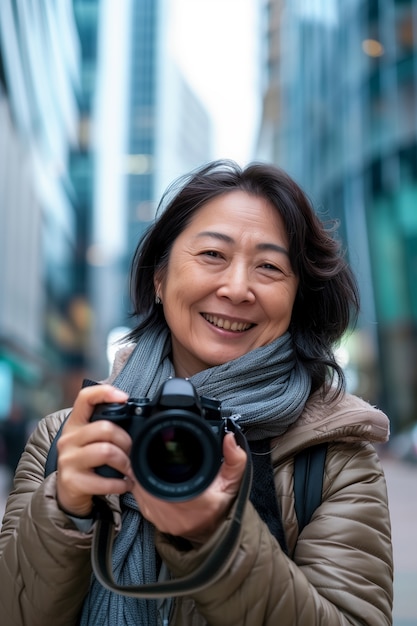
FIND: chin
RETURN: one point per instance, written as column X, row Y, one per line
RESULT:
column 225, row 359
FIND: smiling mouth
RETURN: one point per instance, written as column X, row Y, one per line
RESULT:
column 221, row 322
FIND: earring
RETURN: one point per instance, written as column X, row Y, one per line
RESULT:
column 158, row 299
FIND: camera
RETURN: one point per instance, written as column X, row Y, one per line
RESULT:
column 176, row 439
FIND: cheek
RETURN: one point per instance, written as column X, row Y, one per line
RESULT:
column 182, row 283
column 282, row 306
column 178, row 299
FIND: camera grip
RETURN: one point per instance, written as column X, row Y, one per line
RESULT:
column 108, row 472
column 116, row 413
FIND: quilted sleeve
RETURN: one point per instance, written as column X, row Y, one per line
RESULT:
column 44, row 560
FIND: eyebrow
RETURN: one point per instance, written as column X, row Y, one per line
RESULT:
column 227, row 239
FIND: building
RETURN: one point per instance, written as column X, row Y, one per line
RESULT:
column 340, row 114
column 39, row 81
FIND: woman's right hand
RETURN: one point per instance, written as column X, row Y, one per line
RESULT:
column 85, row 445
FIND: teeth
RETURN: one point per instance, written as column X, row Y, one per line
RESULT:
column 226, row 324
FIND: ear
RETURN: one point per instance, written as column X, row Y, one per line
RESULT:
column 157, row 282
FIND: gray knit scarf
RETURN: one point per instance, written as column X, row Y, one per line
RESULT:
column 266, row 387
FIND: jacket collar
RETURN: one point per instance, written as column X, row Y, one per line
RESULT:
column 346, row 419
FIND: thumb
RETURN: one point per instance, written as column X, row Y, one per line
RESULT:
column 234, row 459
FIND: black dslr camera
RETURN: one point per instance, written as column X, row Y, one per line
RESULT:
column 177, row 439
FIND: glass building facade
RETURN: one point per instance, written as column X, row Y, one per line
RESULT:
column 340, row 114
column 39, row 85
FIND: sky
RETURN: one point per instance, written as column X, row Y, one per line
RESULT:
column 215, row 44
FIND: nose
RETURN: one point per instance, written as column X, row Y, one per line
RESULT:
column 236, row 284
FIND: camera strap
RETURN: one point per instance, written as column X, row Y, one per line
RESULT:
column 209, row 571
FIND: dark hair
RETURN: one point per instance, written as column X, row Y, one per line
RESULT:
column 327, row 298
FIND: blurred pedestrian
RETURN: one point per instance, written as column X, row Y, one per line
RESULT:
column 14, row 433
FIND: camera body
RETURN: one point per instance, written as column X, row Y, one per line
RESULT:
column 177, row 439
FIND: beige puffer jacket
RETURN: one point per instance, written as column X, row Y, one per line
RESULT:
column 340, row 574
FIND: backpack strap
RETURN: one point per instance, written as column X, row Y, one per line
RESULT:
column 51, row 463
column 308, row 482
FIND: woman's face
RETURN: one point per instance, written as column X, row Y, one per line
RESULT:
column 228, row 287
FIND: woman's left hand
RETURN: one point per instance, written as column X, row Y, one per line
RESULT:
column 197, row 519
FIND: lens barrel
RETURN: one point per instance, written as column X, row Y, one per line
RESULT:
column 176, row 454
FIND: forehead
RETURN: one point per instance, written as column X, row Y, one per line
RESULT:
column 238, row 211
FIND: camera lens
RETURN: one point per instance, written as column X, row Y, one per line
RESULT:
column 176, row 455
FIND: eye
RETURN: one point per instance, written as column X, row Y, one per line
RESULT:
column 271, row 267
column 214, row 254
column 274, row 271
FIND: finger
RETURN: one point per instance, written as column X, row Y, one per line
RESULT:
column 79, row 501
column 95, row 455
column 233, row 453
column 90, row 396
column 234, row 459
column 78, row 480
column 92, row 485
column 102, row 430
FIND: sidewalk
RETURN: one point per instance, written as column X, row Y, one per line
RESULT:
column 402, row 490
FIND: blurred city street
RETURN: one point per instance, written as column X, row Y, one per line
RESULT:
column 402, row 488
column 105, row 105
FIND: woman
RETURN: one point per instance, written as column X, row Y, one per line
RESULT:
column 239, row 287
